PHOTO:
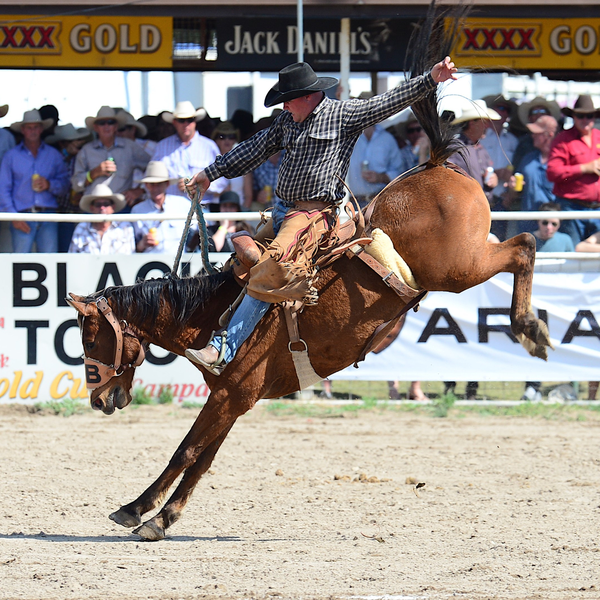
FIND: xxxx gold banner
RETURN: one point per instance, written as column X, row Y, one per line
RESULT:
column 86, row 42
column 530, row 44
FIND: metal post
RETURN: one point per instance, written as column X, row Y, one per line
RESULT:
column 300, row 28
column 345, row 59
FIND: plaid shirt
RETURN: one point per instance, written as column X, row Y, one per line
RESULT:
column 320, row 147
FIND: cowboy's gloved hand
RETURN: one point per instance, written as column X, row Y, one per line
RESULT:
column 444, row 70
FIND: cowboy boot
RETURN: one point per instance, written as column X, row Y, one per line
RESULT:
column 245, row 248
column 207, row 357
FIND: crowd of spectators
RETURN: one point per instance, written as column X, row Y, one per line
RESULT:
column 117, row 164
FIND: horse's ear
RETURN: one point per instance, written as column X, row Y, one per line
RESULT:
column 78, row 303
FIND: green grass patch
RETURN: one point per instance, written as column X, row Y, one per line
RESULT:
column 66, row 407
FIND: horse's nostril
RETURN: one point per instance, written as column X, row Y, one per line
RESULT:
column 97, row 404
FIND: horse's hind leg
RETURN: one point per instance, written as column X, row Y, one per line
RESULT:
column 155, row 528
column 517, row 256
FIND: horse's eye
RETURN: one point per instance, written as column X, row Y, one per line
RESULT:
column 89, row 345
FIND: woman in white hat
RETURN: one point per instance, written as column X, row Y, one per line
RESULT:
column 103, row 237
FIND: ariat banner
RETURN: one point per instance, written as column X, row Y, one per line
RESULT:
column 86, row 42
column 467, row 337
column 529, row 44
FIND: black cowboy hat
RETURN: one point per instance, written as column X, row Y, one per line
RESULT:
column 583, row 105
column 295, row 81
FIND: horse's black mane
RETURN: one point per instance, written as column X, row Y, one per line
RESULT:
column 430, row 43
column 143, row 300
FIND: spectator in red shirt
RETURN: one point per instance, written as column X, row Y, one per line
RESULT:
column 574, row 168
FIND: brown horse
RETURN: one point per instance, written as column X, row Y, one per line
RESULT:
column 437, row 219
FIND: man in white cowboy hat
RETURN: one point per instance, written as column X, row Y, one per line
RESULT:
column 574, row 167
column 318, row 134
column 186, row 152
column 160, row 236
column 32, row 176
column 103, row 237
column 7, row 141
column 109, row 159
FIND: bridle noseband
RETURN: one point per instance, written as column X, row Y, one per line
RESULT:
column 98, row 373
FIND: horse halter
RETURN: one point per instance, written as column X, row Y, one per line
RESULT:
column 98, row 373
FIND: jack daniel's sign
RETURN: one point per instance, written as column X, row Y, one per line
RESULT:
column 271, row 44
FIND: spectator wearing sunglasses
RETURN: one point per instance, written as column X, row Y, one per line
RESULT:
column 547, row 236
column 109, row 159
column 187, row 152
column 105, row 237
column 574, row 168
column 415, row 143
column 226, row 136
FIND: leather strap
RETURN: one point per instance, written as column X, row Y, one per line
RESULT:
column 388, row 277
column 106, row 310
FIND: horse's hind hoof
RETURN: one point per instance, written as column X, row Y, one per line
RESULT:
column 150, row 531
column 122, row 517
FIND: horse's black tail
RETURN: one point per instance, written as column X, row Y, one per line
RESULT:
column 430, row 43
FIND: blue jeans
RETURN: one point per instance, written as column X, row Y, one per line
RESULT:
column 45, row 236
column 577, row 229
column 242, row 324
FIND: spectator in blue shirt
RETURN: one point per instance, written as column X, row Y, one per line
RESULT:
column 188, row 152
column 537, row 189
column 32, row 176
column 7, row 141
column 547, row 236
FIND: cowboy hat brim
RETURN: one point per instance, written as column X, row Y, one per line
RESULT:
column 3, row 110
column 81, row 133
column 552, row 108
column 119, row 118
column 274, row 96
column 118, row 199
column 16, row 127
column 476, row 114
column 152, row 179
column 571, row 112
column 198, row 115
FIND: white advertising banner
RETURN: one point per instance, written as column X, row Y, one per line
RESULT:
column 40, row 347
column 453, row 337
column 466, row 337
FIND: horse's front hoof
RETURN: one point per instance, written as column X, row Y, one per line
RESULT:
column 150, row 531
column 124, row 518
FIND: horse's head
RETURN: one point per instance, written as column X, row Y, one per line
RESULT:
column 112, row 351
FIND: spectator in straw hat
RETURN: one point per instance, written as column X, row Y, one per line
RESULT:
column 187, row 151
column 104, row 237
column 68, row 141
column 32, row 177
column 7, row 140
column 574, row 168
column 159, row 236
column 109, row 159
column 475, row 160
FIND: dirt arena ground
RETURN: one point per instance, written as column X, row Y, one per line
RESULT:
column 510, row 508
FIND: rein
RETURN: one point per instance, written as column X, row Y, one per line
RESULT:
column 98, row 373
